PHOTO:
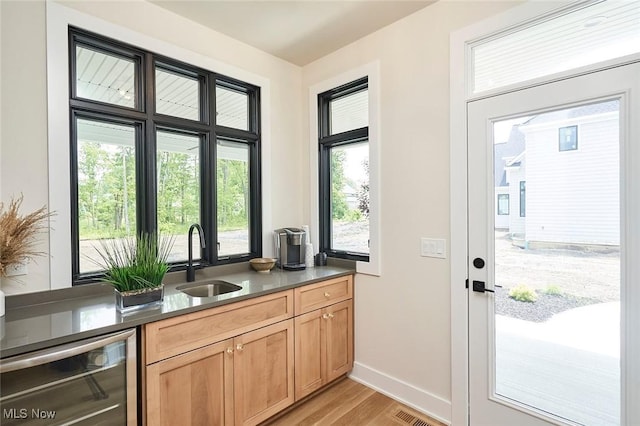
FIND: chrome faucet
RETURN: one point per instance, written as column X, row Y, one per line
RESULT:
column 191, row 272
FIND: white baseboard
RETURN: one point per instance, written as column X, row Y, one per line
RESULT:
column 416, row 398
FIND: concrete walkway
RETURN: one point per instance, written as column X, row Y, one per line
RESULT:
column 568, row 366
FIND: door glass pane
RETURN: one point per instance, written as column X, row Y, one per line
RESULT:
column 177, row 95
column 557, row 264
column 349, row 112
column 350, row 197
column 596, row 33
column 178, row 174
column 105, row 77
column 89, row 388
column 106, row 187
column 232, row 108
column 233, row 198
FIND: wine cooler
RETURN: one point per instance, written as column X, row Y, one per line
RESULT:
column 90, row 382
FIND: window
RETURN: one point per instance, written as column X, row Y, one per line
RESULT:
column 568, row 138
column 157, row 160
column 503, row 204
column 523, row 198
column 343, row 120
column 592, row 32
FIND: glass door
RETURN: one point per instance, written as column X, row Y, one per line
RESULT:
column 91, row 382
column 547, row 234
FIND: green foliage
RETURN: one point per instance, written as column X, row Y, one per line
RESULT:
column 107, row 200
column 339, row 206
column 233, row 194
column 523, row 293
column 353, row 216
column 135, row 263
column 363, row 192
column 552, row 290
column 106, row 190
column 178, row 202
column 340, row 209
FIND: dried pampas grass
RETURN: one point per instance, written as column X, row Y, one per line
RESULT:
column 17, row 233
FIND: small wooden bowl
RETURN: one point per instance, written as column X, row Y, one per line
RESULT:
column 262, row 264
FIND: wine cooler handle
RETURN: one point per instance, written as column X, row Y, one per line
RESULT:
column 57, row 353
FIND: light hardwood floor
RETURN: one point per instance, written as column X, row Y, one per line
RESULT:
column 349, row 403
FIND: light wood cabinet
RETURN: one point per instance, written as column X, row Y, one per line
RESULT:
column 177, row 335
column 324, row 346
column 192, row 389
column 339, row 338
column 263, row 373
column 315, row 296
column 240, row 381
column 310, row 346
column 241, row 363
column 324, row 334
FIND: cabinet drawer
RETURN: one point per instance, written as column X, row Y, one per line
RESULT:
column 325, row 293
column 180, row 334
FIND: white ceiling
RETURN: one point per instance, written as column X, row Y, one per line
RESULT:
column 297, row 31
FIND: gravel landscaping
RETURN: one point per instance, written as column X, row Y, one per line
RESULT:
column 541, row 310
column 583, row 277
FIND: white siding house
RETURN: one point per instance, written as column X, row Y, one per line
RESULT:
column 570, row 167
column 503, row 207
column 516, row 173
column 504, row 152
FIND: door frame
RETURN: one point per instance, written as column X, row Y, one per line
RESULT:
column 460, row 43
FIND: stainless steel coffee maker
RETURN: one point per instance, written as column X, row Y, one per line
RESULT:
column 290, row 245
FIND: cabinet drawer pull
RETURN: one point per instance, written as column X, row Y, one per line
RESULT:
column 229, row 350
column 327, row 294
column 239, row 346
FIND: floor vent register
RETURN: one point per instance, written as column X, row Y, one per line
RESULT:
column 411, row 419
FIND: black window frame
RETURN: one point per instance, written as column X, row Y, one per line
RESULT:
column 498, row 205
column 523, row 198
column 146, row 121
column 327, row 141
column 562, row 147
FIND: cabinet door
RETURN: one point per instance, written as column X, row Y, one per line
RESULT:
column 339, row 338
column 195, row 388
column 263, row 373
column 310, row 353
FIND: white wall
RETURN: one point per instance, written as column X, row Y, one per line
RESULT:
column 403, row 316
column 23, row 163
column 24, row 98
column 1, row 105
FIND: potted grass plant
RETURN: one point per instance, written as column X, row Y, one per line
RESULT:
column 135, row 267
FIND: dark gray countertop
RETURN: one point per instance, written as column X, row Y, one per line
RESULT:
column 62, row 316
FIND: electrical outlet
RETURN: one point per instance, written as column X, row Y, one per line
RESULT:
column 17, row 269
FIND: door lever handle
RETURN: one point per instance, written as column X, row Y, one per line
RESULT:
column 479, row 286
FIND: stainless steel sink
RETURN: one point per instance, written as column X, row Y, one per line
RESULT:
column 208, row 289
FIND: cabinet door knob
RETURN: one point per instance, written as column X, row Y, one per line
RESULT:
column 229, row 350
column 325, row 316
column 239, row 346
column 327, row 294
column 330, row 316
